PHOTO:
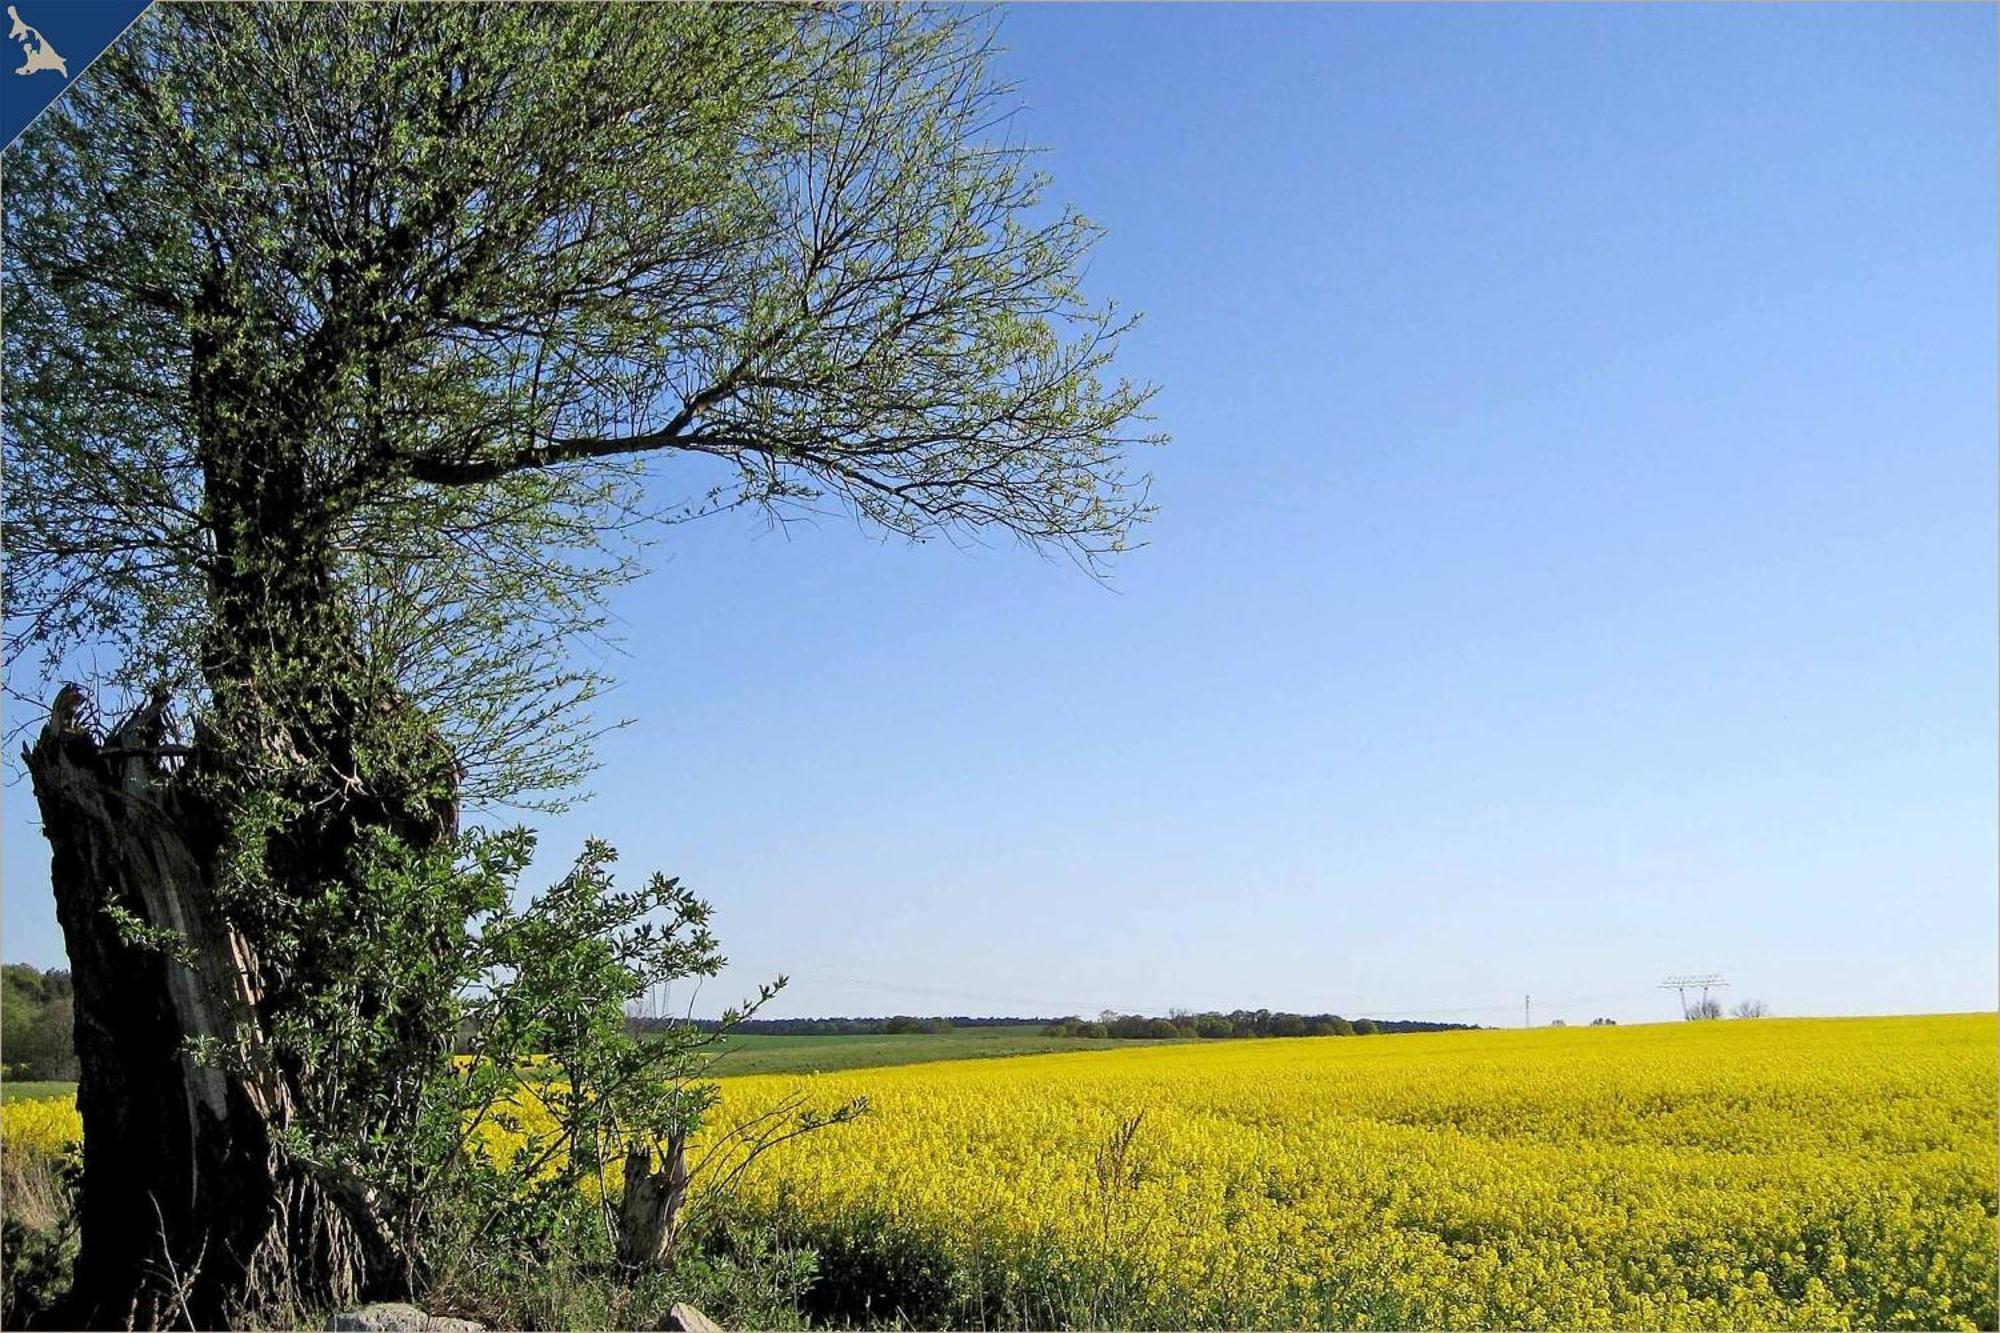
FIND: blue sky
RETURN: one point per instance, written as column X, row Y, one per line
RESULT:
column 1575, row 561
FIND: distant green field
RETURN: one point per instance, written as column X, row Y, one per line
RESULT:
column 819, row 1055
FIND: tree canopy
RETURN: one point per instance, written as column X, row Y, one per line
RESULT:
column 503, row 285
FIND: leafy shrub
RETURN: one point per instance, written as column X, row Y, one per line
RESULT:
column 874, row 1273
column 38, row 1234
column 553, row 1107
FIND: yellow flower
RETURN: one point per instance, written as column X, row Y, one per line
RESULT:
column 45, row 1125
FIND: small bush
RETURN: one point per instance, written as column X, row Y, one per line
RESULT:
column 38, row 1235
column 875, row 1274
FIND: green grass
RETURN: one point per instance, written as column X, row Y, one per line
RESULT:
column 743, row 1054
column 818, row 1055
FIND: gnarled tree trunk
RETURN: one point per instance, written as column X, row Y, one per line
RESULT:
column 190, row 1209
column 648, row 1216
column 307, row 755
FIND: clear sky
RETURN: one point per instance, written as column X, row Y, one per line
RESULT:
column 1575, row 560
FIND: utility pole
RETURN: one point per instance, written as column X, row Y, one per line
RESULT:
column 1527, row 1011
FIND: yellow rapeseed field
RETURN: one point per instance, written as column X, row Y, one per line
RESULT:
column 46, row 1125
column 1796, row 1174
column 1767, row 1174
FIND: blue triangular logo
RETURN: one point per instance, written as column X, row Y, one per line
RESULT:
column 49, row 43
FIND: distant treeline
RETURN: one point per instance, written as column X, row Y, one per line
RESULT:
column 840, row 1027
column 36, row 1018
column 1237, row 1023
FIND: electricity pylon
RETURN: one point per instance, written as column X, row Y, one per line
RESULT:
column 1681, row 985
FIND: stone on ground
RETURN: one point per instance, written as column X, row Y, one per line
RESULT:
column 684, row 1318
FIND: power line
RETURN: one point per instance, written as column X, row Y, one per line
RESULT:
column 1076, row 1006
column 1093, row 1006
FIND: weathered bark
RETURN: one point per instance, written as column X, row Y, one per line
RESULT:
column 190, row 1210
column 649, row 1211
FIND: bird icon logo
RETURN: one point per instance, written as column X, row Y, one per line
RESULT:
column 36, row 53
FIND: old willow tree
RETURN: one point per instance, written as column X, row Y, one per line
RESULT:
column 349, row 351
